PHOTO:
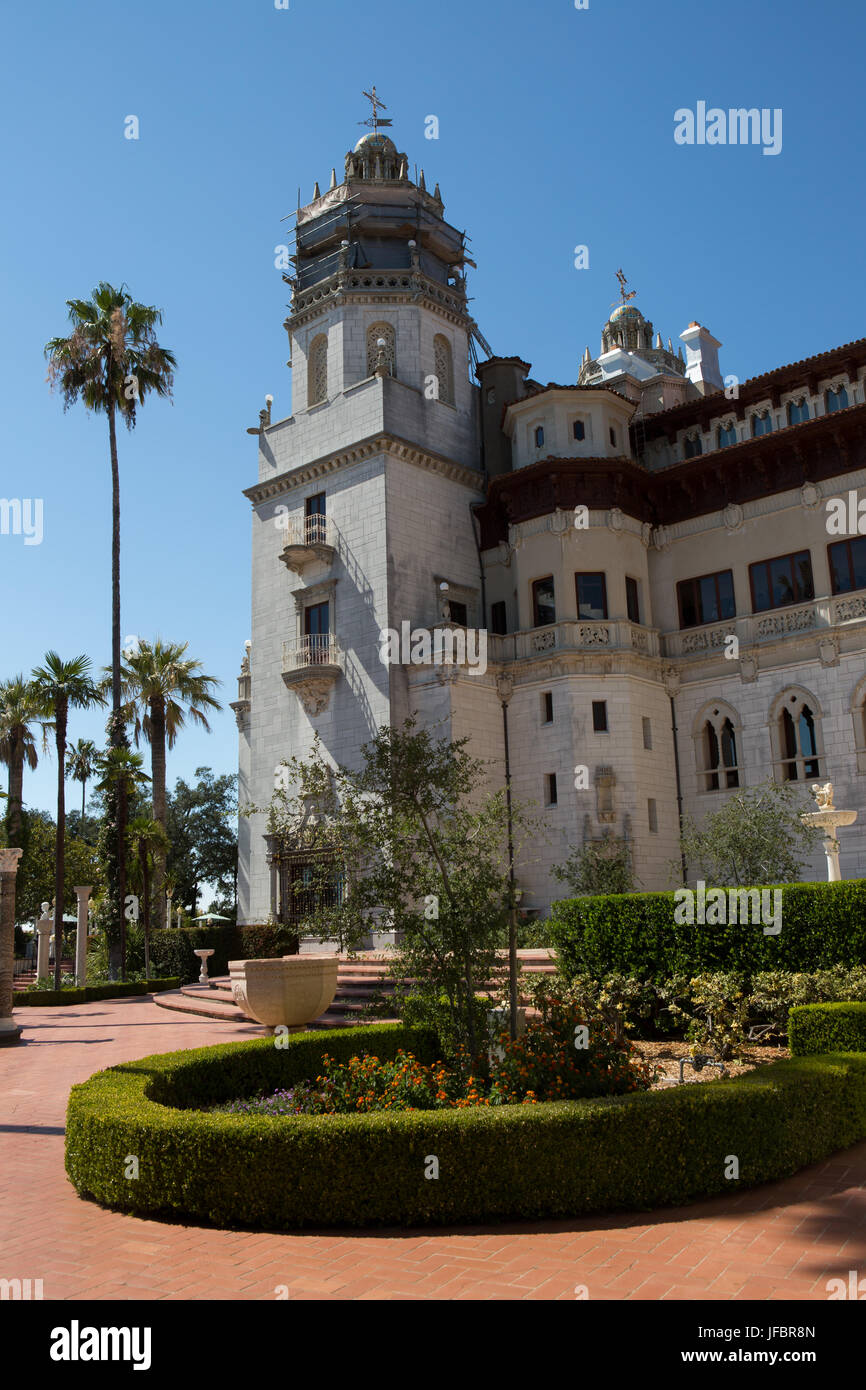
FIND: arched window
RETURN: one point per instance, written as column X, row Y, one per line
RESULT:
column 385, row 332
column 717, row 733
column 798, row 411
column 837, row 399
column 443, row 367
column 693, row 446
column 317, row 370
column 538, row 436
column 762, row 424
column 726, row 434
column 795, row 725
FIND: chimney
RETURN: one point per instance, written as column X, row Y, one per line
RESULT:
column 702, row 359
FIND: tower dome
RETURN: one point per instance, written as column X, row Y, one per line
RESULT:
column 376, row 143
column 626, row 328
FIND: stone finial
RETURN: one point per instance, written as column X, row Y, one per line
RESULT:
column 333, row 183
column 422, row 182
column 436, row 194
column 404, row 169
column 316, row 193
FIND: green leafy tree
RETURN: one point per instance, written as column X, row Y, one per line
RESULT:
column 36, row 881
column 423, row 844
column 162, row 686
column 599, row 866
column 80, row 766
column 756, row 837
column 60, row 686
column 18, row 710
column 202, row 829
column 111, row 361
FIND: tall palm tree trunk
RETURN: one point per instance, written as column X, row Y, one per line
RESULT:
column 60, row 839
column 118, row 731
column 145, row 875
column 157, row 769
column 16, row 791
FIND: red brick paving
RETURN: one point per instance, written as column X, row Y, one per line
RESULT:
column 781, row 1241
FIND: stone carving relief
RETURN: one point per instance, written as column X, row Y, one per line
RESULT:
column 849, row 608
column 800, row 620
column 810, row 496
column 828, row 651
column 314, row 694
column 544, row 641
column 595, row 636
column 748, row 668
column 615, row 520
column 733, row 516
column 702, row 641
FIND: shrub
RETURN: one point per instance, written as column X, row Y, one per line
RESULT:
column 823, row 925
column 570, row 1052
column 717, row 1012
column 819, row 1028
column 116, row 989
column 495, row 1163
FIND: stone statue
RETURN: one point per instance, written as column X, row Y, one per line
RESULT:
column 823, row 795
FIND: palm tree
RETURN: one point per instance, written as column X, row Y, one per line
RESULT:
column 162, row 685
column 111, row 361
column 121, row 772
column 80, row 766
column 60, row 686
column 18, row 711
column 147, row 840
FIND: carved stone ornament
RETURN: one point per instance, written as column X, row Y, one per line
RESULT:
column 314, row 694
column 828, row 651
column 661, row 537
column 810, row 496
column 242, row 711
column 732, row 516
column 671, row 680
column 646, row 534
column 615, row 520
column 504, row 688
column 748, row 668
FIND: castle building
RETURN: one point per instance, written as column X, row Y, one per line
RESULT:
column 669, row 609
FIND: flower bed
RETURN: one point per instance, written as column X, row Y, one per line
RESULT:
column 553, row 1159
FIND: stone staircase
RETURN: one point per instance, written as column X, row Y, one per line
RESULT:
column 359, row 981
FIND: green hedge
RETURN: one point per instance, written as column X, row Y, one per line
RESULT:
column 823, row 924
column 551, row 1160
column 817, row 1028
column 174, row 951
column 118, row 989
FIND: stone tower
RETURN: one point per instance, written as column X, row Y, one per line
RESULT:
column 362, row 508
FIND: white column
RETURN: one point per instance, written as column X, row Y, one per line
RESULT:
column 831, row 849
column 10, row 1031
column 82, row 894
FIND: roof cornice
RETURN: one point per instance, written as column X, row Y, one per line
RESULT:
column 381, row 443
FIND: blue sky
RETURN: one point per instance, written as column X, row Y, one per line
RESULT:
column 556, row 129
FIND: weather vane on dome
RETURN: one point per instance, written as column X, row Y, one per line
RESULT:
column 374, row 121
column 624, row 298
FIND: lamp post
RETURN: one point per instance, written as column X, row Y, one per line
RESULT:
column 10, row 1032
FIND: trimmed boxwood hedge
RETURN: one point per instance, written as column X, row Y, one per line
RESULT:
column 174, row 950
column 816, row 1028
column 549, row 1160
column 823, row 924
column 118, row 989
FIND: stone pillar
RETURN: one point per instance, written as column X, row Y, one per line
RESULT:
column 10, row 1031
column 82, row 894
column 831, row 849
column 43, row 930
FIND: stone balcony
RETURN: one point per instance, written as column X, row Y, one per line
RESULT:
column 307, row 539
column 754, row 630
column 582, row 635
column 311, row 667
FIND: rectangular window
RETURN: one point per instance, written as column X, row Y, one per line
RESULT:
column 708, row 599
column 762, row 424
column 579, row 429
column 652, row 815
column 798, row 411
column 543, row 602
column 647, row 732
column 612, row 434
column 547, row 707
column 781, row 581
column 539, row 437
column 727, row 436
column 498, row 618
column 317, row 624
column 458, row 613
column 847, row 565
column 591, row 595
column 550, row 789
column 693, row 446
column 632, row 599
column 599, row 716
column 837, row 400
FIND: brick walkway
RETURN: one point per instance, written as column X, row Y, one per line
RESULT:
column 777, row 1242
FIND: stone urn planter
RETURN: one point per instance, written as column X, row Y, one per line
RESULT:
column 289, row 992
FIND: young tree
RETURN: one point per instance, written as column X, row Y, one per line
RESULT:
column 202, row 829
column 18, row 710
column 111, row 361
column 147, row 839
column 599, row 866
column 36, row 883
column 162, row 685
column 60, row 686
column 756, row 837
column 424, row 850
column 121, row 778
